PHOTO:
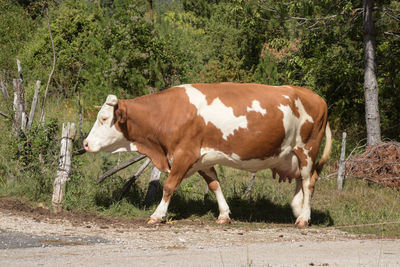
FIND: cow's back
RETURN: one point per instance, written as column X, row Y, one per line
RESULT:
column 248, row 119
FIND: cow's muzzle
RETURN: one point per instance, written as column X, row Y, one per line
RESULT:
column 86, row 146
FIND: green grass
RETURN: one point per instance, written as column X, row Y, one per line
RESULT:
column 269, row 205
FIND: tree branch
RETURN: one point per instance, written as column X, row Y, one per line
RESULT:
column 5, row 115
column 53, row 68
column 119, row 167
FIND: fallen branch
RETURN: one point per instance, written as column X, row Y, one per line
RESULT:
column 5, row 115
column 119, row 167
column 329, row 175
column 79, row 152
column 129, row 183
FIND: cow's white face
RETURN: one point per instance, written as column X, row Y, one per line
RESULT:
column 104, row 136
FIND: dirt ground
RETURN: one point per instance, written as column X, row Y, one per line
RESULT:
column 34, row 236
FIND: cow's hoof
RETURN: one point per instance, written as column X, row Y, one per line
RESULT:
column 301, row 224
column 152, row 220
column 223, row 220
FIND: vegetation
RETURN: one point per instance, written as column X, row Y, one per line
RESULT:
column 131, row 48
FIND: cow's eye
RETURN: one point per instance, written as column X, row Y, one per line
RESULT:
column 103, row 119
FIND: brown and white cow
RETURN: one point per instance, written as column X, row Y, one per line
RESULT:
column 190, row 128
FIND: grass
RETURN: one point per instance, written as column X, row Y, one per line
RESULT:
column 358, row 203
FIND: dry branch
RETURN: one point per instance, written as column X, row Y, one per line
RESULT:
column 5, row 115
column 379, row 163
column 119, row 167
column 52, row 69
column 129, row 183
column 79, row 152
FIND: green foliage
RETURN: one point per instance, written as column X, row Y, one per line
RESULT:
column 39, row 143
column 15, row 29
column 35, row 155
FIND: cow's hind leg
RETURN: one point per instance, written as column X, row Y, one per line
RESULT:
column 210, row 175
column 297, row 202
column 307, row 186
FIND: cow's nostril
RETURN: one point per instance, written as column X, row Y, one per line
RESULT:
column 86, row 144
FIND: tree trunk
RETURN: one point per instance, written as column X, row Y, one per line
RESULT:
column 370, row 81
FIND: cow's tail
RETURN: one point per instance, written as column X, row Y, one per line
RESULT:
column 327, row 150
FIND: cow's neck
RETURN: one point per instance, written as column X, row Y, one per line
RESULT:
column 144, row 128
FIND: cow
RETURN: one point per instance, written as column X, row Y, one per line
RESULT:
column 192, row 127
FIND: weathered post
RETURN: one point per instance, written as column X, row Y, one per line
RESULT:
column 154, row 185
column 4, row 90
column 342, row 163
column 19, row 106
column 34, row 103
column 250, row 186
column 64, row 167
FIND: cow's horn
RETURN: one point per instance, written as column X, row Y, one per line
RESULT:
column 112, row 100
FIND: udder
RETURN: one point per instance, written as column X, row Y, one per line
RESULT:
column 289, row 170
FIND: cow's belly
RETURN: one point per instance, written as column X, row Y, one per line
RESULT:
column 286, row 163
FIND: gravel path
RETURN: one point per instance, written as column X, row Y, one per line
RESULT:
column 29, row 241
column 35, row 236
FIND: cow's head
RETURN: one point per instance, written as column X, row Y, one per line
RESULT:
column 106, row 134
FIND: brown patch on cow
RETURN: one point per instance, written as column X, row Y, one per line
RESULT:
column 301, row 155
column 211, row 182
column 313, row 180
column 306, row 131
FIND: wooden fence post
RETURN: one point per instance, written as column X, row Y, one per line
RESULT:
column 4, row 90
column 154, row 185
column 19, row 106
column 250, row 186
column 34, row 103
column 342, row 163
column 64, row 167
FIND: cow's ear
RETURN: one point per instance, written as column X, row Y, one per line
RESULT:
column 120, row 114
column 112, row 100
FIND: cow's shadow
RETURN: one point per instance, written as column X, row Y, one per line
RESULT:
column 244, row 210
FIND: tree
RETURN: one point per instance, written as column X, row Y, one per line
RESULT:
column 370, row 81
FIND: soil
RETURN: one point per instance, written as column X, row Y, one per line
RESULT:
column 32, row 236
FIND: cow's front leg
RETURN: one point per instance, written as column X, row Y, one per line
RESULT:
column 178, row 171
column 210, row 175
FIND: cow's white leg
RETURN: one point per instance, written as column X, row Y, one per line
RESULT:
column 210, row 175
column 305, row 214
column 159, row 214
column 307, row 185
column 297, row 202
